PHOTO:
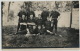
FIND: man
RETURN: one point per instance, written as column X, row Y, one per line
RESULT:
column 48, row 26
column 44, row 14
column 39, row 21
column 37, row 12
column 31, row 23
column 54, row 14
column 22, row 12
column 23, row 25
column 30, row 12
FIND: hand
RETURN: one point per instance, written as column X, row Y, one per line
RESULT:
column 58, row 18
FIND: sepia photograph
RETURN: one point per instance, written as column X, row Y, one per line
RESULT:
column 40, row 24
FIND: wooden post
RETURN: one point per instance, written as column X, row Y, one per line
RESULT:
column 71, row 15
column 2, row 4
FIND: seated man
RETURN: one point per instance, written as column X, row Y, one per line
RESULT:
column 39, row 21
column 35, row 30
column 31, row 23
column 40, row 30
column 23, row 25
column 48, row 25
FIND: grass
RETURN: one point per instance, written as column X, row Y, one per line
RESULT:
column 70, row 38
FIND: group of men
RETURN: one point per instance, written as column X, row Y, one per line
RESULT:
column 37, row 22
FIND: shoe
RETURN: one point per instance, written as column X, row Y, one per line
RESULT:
column 15, row 33
column 60, row 35
column 55, row 33
column 38, row 34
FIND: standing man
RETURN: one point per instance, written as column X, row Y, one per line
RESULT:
column 54, row 14
column 30, row 12
column 44, row 15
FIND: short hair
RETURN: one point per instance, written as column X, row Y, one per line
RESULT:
column 44, row 7
column 38, row 7
column 22, row 7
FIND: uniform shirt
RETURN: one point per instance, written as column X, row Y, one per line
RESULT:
column 22, row 13
column 30, row 13
column 41, row 31
column 54, row 14
column 39, row 21
column 31, row 20
column 23, row 27
column 23, row 21
column 31, row 26
column 35, row 31
column 47, row 24
column 45, row 14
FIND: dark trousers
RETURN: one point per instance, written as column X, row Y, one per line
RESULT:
column 22, row 32
column 19, row 21
column 55, row 24
column 43, row 20
column 18, row 24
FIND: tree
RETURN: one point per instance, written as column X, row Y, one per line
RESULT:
column 8, row 10
column 28, row 4
column 76, row 4
column 2, row 4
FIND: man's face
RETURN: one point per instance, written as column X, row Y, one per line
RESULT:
column 39, row 27
column 39, row 16
column 45, row 9
column 31, row 16
column 38, row 8
column 48, row 18
column 34, row 27
column 43, row 26
column 23, row 16
column 22, row 8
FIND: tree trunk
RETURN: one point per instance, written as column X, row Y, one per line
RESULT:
column 71, row 15
column 8, row 10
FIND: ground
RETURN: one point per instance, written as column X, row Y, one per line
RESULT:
column 70, row 38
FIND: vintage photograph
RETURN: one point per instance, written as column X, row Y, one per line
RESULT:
column 40, row 24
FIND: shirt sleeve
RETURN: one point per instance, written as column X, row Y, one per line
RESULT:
column 58, row 13
column 19, row 14
column 33, row 14
column 51, row 14
column 48, row 13
column 42, row 14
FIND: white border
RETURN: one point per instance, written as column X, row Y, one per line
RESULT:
column 32, row 49
column 0, row 30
